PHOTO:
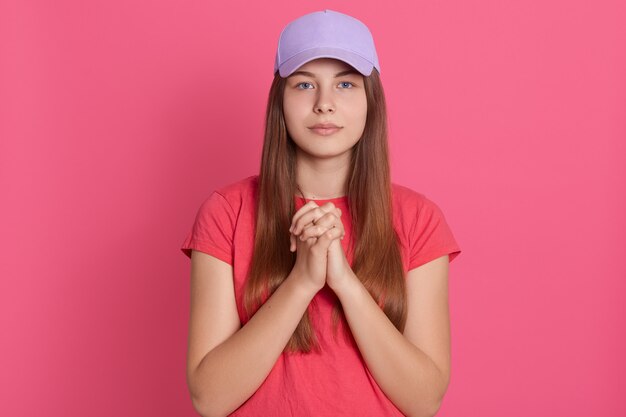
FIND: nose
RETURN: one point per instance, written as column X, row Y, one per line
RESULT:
column 324, row 102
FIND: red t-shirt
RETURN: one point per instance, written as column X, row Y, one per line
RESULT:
column 336, row 381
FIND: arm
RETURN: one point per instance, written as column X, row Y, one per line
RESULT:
column 412, row 369
column 226, row 363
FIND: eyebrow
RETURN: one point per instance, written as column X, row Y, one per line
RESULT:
column 310, row 74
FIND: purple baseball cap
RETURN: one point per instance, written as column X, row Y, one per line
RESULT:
column 325, row 34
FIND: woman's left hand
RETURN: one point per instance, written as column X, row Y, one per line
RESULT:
column 338, row 270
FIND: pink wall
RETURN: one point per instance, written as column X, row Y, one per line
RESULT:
column 117, row 118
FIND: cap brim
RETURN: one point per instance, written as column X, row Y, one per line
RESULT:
column 359, row 63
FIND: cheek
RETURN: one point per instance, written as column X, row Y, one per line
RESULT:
column 359, row 112
column 288, row 113
column 359, row 118
column 292, row 110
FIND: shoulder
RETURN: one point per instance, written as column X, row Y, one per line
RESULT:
column 240, row 187
column 412, row 208
column 406, row 199
column 229, row 199
column 243, row 186
column 240, row 192
column 422, row 227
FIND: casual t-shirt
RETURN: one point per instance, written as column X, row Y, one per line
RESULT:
column 334, row 381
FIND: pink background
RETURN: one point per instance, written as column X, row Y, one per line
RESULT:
column 117, row 119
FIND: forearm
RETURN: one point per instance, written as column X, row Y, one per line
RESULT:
column 231, row 372
column 405, row 373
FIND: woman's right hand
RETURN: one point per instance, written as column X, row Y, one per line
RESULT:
column 322, row 225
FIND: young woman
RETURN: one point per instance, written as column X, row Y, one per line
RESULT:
column 318, row 287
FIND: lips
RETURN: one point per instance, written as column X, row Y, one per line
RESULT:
column 324, row 129
column 324, row 126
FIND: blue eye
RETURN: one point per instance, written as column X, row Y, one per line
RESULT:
column 343, row 84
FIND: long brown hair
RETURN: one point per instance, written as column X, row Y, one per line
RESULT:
column 376, row 261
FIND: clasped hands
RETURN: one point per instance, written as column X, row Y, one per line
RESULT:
column 315, row 234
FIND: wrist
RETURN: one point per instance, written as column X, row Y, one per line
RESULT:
column 302, row 287
column 348, row 286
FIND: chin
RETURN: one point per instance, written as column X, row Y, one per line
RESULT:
column 326, row 154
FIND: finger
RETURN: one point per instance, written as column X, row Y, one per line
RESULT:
column 305, row 208
column 324, row 241
column 315, row 230
column 341, row 223
column 312, row 216
column 292, row 243
column 337, row 212
column 299, row 242
column 308, row 218
column 329, row 220
column 330, row 207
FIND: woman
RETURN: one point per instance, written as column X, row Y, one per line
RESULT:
column 318, row 286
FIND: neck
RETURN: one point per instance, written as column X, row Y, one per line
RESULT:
column 322, row 178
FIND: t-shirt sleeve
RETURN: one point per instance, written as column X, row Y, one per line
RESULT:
column 431, row 236
column 213, row 229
